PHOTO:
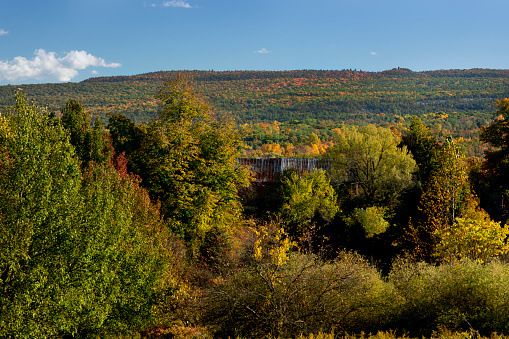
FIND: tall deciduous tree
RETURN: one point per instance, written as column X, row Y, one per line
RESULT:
column 125, row 136
column 444, row 198
column 194, row 170
column 188, row 154
column 77, row 256
column 497, row 134
column 371, row 173
column 39, row 191
column 448, row 189
column 132, row 142
column 368, row 161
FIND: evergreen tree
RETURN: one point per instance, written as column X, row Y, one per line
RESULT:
column 89, row 143
column 422, row 145
column 492, row 182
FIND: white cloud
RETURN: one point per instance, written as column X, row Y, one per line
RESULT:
column 263, row 51
column 372, row 53
column 171, row 3
column 47, row 66
column 176, row 3
column 3, row 32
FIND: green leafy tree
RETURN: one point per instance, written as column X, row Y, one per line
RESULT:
column 306, row 199
column 124, row 250
column 367, row 161
column 372, row 175
column 39, row 190
column 497, row 134
column 423, row 147
column 452, row 225
column 80, row 253
column 371, row 219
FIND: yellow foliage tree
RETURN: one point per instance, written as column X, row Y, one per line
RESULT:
column 474, row 236
column 272, row 148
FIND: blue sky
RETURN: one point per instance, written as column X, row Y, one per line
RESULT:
column 72, row 40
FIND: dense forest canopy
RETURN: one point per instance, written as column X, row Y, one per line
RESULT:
column 255, row 96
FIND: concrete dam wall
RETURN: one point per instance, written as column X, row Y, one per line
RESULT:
column 266, row 170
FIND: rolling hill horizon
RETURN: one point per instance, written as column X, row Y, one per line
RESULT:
column 254, row 96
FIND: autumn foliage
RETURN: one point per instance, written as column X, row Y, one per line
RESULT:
column 155, row 229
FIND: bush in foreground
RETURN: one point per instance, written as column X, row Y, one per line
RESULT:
column 281, row 293
column 459, row 296
column 285, row 294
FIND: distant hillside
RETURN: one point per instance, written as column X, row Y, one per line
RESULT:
column 380, row 97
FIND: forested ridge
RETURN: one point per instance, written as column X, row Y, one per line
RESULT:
column 115, row 228
column 255, row 96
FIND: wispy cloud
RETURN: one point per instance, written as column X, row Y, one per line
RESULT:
column 3, row 32
column 170, row 3
column 47, row 66
column 176, row 3
column 372, row 53
column 263, row 51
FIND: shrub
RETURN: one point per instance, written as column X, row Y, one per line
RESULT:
column 461, row 295
column 299, row 295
